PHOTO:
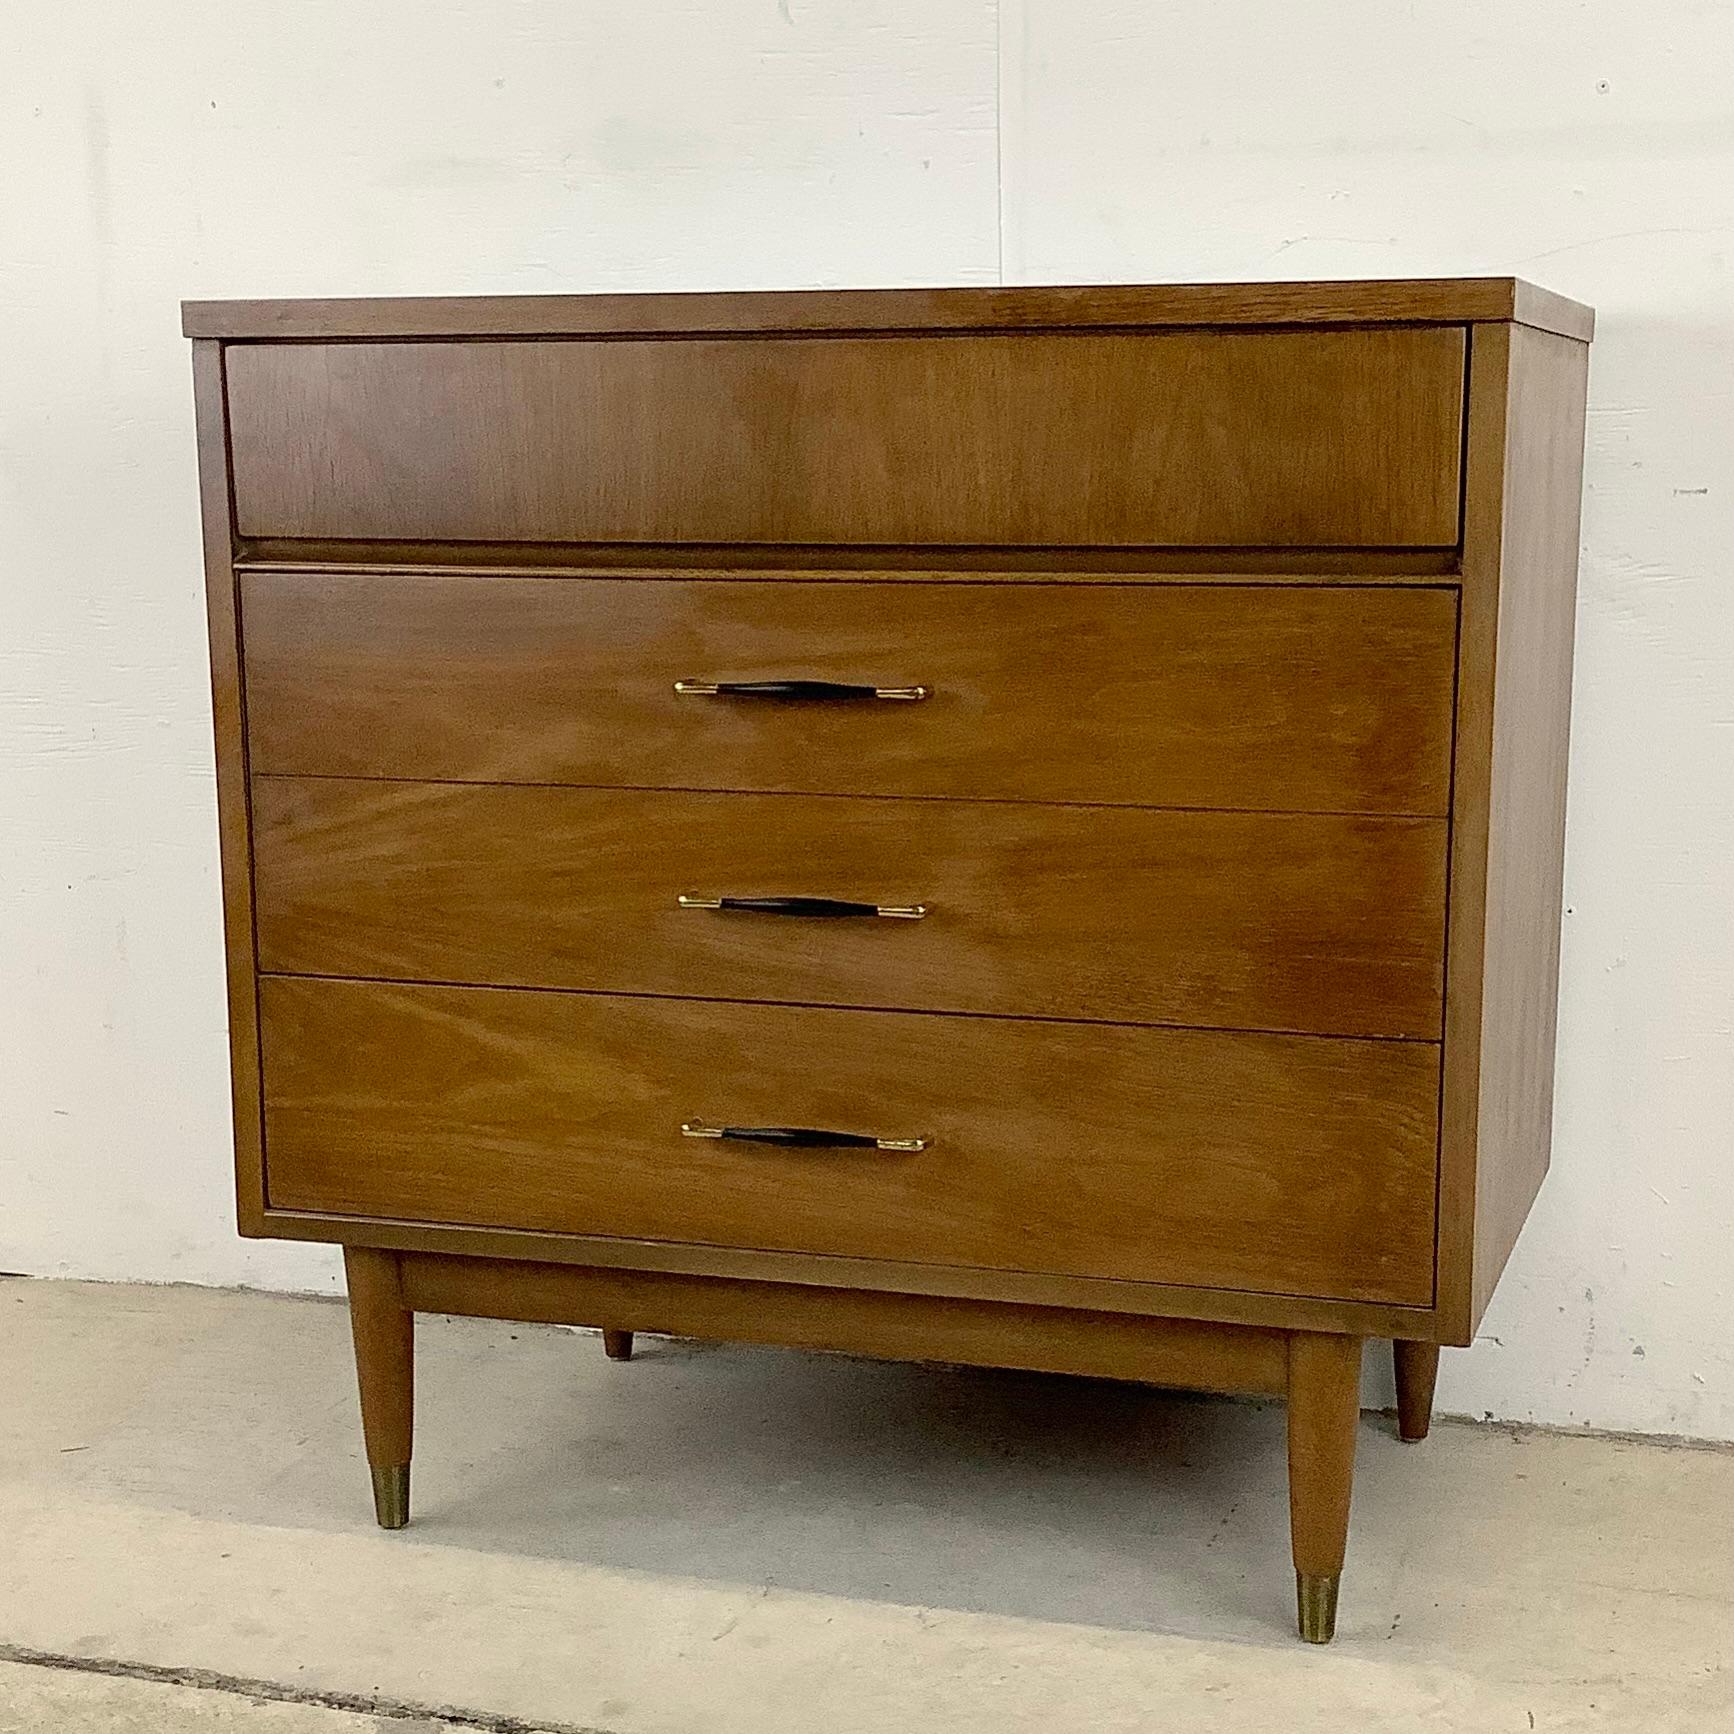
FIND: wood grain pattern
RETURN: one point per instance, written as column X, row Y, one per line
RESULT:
column 1520, row 584
column 1318, row 924
column 1176, row 1353
column 1343, row 438
column 1101, row 1150
column 1447, row 300
column 1201, row 696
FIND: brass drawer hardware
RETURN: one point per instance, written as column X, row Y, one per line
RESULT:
column 799, row 1137
column 819, row 691
column 824, row 908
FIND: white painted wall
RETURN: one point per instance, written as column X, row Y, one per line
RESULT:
column 228, row 147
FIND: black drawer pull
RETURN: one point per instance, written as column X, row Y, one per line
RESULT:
column 825, row 908
column 799, row 1137
column 824, row 691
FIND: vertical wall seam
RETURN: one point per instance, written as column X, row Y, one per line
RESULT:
column 999, row 135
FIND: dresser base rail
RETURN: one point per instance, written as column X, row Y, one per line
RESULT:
column 1318, row 1373
column 1178, row 1352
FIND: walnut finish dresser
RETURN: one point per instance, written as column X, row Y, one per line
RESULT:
column 1005, row 826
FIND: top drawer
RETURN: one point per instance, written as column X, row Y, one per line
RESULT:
column 1328, row 439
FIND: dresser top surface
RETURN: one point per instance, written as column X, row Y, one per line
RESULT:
column 1440, row 300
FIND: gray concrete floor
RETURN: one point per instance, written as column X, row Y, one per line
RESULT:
column 715, row 1539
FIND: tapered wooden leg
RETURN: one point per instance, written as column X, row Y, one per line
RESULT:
column 1324, row 1412
column 1417, row 1372
column 385, row 1366
column 617, row 1345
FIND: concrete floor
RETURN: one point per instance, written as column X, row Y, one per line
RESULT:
column 719, row 1539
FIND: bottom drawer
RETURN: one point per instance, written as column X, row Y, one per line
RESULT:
column 1286, row 1164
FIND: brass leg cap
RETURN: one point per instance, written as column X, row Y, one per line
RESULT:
column 617, row 1345
column 1316, row 1601
column 391, row 1494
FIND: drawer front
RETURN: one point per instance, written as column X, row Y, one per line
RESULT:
column 1325, row 924
column 1286, row 1164
column 1240, row 696
column 1345, row 438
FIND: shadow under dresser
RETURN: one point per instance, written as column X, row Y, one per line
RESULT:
column 1008, row 826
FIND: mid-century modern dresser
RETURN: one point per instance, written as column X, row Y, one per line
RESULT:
column 1004, row 826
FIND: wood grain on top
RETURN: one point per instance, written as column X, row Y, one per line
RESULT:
column 1447, row 300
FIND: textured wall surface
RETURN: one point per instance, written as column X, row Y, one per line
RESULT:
column 237, row 148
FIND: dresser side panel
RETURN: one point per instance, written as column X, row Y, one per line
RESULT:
column 1524, row 478
column 1526, row 844
column 233, row 816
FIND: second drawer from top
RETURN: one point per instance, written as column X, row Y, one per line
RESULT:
column 1241, row 696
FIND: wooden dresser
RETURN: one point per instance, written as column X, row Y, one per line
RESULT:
column 1007, row 826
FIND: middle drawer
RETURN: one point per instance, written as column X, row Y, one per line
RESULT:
column 1312, row 923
